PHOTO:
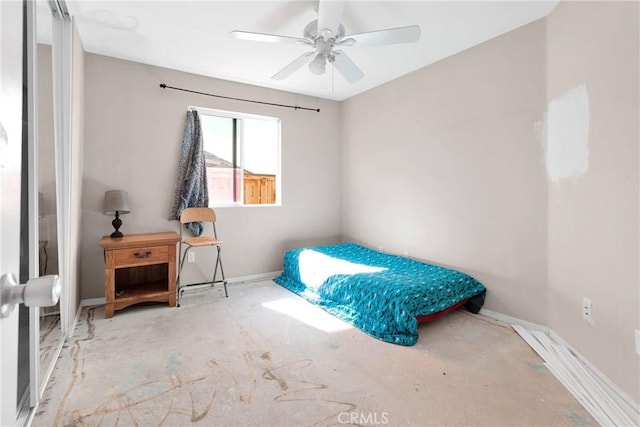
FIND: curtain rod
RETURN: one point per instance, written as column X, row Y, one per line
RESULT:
column 295, row 107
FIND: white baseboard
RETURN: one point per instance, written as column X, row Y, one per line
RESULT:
column 254, row 278
column 513, row 320
column 622, row 400
column 89, row 302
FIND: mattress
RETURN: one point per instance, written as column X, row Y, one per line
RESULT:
column 381, row 294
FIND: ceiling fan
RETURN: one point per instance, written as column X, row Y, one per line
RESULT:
column 327, row 33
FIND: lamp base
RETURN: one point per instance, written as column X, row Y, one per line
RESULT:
column 117, row 222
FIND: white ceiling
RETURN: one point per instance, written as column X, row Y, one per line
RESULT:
column 193, row 36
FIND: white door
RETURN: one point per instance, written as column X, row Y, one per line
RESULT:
column 10, row 155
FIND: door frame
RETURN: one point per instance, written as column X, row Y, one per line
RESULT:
column 32, row 179
column 11, row 142
column 62, row 69
column 12, row 16
column 61, row 39
column 61, row 74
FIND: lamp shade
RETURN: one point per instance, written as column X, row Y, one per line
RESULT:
column 116, row 201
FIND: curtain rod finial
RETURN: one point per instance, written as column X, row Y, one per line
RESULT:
column 163, row 86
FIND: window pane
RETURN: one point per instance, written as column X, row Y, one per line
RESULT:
column 242, row 156
column 261, row 146
column 261, row 158
column 223, row 176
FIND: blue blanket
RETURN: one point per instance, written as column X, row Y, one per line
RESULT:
column 380, row 294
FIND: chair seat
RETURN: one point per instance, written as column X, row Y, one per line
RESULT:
column 202, row 241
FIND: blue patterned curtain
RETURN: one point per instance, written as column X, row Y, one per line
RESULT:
column 191, row 184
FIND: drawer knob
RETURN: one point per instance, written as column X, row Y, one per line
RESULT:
column 144, row 255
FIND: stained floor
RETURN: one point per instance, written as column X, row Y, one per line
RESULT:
column 265, row 357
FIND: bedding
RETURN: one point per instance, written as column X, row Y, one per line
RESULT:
column 381, row 294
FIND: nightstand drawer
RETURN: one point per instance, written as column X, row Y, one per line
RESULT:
column 141, row 256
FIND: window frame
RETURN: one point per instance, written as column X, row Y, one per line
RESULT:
column 238, row 151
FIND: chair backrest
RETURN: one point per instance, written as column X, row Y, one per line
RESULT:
column 197, row 215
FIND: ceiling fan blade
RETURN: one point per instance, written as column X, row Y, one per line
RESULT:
column 268, row 38
column 329, row 17
column 293, row 66
column 347, row 67
column 391, row 36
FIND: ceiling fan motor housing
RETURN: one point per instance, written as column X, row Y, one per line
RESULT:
column 324, row 46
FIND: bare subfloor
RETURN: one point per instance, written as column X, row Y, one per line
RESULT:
column 265, row 357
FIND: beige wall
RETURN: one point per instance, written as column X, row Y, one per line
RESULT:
column 446, row 163
column 478, row 162
column 133, row 135
column 593, row 216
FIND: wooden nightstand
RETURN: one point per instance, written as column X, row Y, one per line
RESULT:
column 139, row 268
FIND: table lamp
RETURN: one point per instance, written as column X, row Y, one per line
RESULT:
column 116, row 202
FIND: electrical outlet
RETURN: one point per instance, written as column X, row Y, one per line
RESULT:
column 587, row 313
column 638, row 341
column 191, row 257
column 406, row 253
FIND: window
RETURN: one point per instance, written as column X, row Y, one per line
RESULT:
column 242, row 154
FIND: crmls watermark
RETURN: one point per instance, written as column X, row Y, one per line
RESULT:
column 364, row 418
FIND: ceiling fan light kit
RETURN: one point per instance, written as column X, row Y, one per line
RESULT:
column 324, row 35
column 318, row 64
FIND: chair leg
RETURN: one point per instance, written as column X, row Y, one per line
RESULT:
column 181, row 289
column 184, row 256
column 215, row 267
column 224, row 280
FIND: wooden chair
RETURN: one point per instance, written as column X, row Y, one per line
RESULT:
column 203, row 215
